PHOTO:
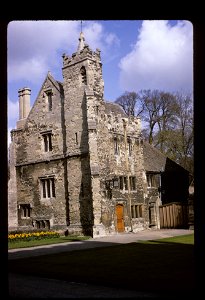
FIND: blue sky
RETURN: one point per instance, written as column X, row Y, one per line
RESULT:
column 136, row 54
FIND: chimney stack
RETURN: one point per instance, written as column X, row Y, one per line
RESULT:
column 24, row 106
column 20, row 105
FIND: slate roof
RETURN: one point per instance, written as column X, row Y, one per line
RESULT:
column 111, row 107
column 60, row 84
column 154, row 160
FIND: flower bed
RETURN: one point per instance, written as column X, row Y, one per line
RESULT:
column 29, row 236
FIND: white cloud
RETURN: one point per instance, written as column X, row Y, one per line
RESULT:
column 13, row 110
column 97, row 37
column 32, row 69
column 35, row 47
column 112, row 39
column 9, row 136
column 162, row 58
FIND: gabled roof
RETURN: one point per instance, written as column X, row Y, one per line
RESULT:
column 154, row 160
column 56, row 83
column 114, row 108
column 60, row 86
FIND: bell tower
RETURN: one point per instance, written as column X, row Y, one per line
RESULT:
column 83, row 98
column 82, row 73
column 83, row 68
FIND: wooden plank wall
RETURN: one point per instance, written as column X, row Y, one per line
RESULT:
column 173, row 215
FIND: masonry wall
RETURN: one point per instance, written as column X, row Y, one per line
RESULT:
column 30, row 147
column 82, row 198
column 29, row 191
column 112, row 165
column 33, row 163
column 12, row 189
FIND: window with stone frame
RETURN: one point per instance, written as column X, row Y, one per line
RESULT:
column 124, row 183
column 47, row 188
column 49, row 97
column 132, row 183
column 83, row 75
column 25, row 211
column 76, row 138
column 47, row 141
column 137, row 210
column 41, row 224
column 151, row 180
column 116, row 146
column 97, row 110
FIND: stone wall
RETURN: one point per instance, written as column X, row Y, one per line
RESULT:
column 112, row 166
column 12, row 190
column 29, row 191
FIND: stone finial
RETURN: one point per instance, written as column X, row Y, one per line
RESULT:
column 81, row 44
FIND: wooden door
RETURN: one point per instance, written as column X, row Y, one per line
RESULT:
column 120, row 218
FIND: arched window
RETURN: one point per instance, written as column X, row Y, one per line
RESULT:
column 83, row 75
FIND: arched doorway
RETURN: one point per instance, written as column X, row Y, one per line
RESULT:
column 120, row 218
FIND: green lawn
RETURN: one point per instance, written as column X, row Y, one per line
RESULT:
column 56, row 240
column 165, row 265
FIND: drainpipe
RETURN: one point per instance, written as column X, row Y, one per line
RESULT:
column 127, row 170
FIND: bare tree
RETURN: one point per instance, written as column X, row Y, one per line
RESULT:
column 128, row 101
column 182, row 138
column 173, row 135
column 150, row 113
column 167, row 120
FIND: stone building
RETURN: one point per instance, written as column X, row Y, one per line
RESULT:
column 76, row 160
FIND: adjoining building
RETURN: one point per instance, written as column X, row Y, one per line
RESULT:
column 79, row 163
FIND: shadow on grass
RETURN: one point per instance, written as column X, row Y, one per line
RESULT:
column 151, row 266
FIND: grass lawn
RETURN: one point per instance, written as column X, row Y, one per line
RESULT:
column 165, row 265
column 56, row 240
